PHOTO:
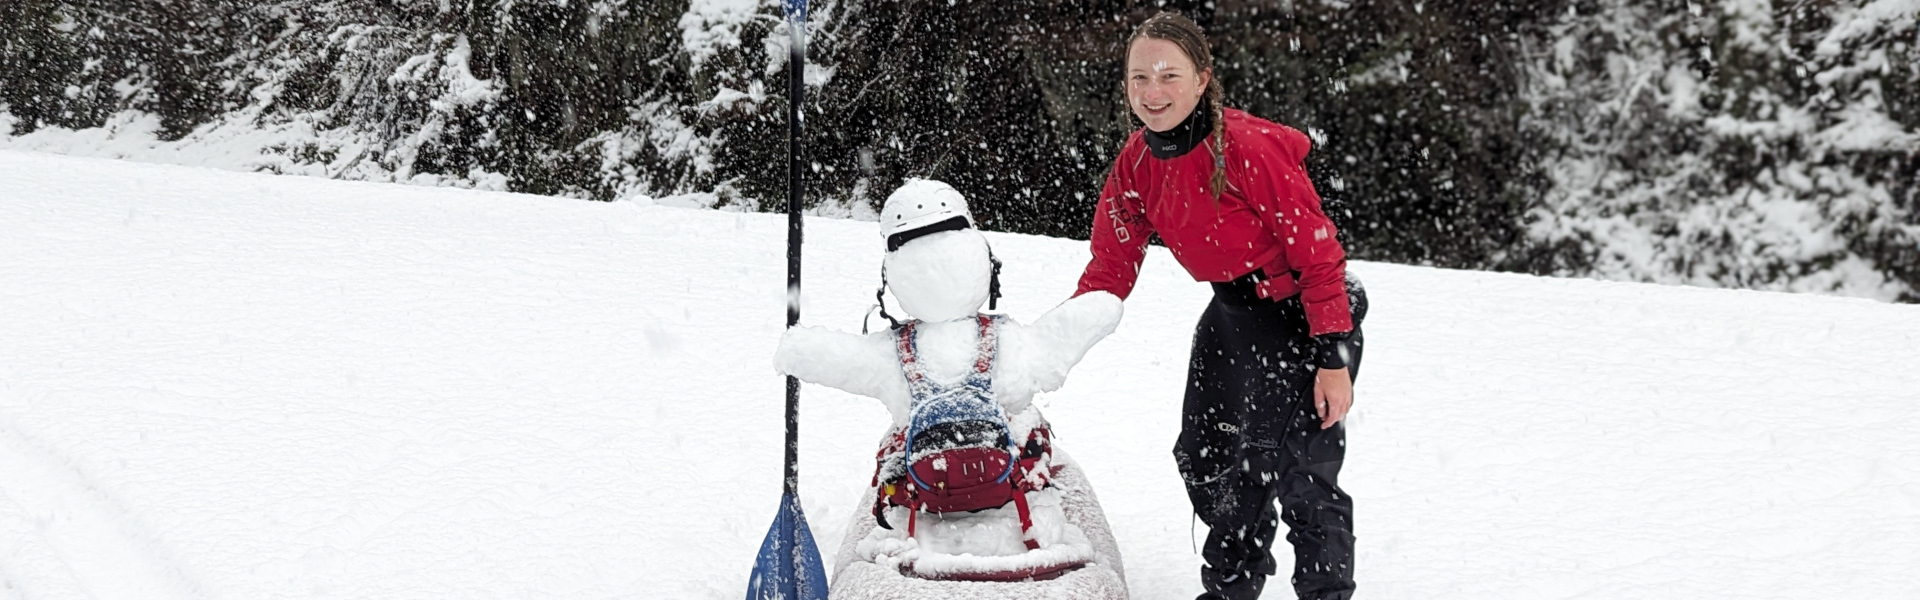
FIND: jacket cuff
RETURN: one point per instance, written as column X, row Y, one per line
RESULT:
column 1328, row 312
column 1331, row 351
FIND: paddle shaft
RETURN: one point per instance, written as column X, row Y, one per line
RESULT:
column 796, row 182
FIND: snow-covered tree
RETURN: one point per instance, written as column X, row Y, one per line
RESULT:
column 1749, row 143
column 1737, row 143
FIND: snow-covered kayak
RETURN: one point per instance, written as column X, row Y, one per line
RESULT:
column 980, row 555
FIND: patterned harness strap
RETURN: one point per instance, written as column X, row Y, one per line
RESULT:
column 919, row 386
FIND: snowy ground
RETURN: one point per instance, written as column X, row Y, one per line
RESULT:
column 222, row 385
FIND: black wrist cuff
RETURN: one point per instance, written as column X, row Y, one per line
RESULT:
column 1330, row 350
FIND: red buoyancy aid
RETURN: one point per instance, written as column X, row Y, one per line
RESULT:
column 956, row 454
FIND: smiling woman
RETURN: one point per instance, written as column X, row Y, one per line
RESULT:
column 1169, row 73
column 1163, row 85
column 1275, row 353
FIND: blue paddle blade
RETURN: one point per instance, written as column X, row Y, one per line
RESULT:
column 796, row 9
column 789, row 565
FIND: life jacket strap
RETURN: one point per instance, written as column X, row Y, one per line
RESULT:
column 1026, row 518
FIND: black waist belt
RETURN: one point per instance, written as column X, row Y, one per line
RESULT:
column 1243, row 290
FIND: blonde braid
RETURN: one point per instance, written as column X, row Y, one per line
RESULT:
column 1215, row 96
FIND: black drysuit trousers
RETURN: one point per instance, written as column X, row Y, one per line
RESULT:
column 1250, row 438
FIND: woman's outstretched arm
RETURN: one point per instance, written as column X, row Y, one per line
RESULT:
column 1120, row 231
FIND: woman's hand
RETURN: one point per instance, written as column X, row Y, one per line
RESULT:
column 1332, row 395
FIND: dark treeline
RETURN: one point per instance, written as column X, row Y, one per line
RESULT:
column 1635, row 140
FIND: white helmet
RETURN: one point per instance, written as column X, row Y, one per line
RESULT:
column 918, row 204
column 922, row 208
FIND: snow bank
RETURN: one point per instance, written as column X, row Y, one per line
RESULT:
column 239, row 386
column 267, row 136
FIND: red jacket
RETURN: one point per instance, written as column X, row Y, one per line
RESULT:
column 1268, row 217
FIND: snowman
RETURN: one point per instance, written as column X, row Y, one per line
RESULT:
column 968, row 484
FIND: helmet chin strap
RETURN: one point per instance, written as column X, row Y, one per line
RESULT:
column 880, row 302
column 880, row 295
column 993, row 283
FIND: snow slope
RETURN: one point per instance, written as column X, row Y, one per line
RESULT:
column 241, row 386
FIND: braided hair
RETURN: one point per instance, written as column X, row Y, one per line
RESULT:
column 1192, row 40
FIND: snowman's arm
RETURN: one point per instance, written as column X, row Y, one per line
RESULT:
column 860, row 365
column 1057, row 341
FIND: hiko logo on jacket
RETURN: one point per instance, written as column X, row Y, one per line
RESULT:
column 1121, row 217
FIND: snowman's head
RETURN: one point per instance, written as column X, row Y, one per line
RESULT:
column 937, row 264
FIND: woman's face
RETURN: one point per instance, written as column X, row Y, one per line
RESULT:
column 1162, row 86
